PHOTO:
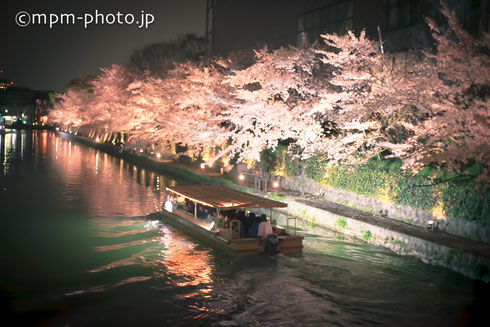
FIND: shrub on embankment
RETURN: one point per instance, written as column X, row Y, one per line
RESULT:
column 445, row 195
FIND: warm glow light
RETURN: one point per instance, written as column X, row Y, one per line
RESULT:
column 241, row 177
column 97, row 140
column 202, row 166
column 275, row 184
column 185, row 196
column 438, row 211
column 158, row 155
column 229, row 204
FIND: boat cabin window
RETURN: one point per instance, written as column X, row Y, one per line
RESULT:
column 238, row 221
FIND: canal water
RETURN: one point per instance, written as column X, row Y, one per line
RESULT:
column 78, row 249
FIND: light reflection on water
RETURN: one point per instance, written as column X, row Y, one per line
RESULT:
column 83, row 252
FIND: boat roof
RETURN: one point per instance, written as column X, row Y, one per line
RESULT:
column 223, row 197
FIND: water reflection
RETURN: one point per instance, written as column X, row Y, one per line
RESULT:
column 189, row 266
column 19, row 146
column 9, row 141
column 109, row 181
column 84, row 246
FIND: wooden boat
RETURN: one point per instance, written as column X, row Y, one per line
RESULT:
column 221, row 199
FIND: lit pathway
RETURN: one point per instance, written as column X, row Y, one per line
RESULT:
column 435, row 236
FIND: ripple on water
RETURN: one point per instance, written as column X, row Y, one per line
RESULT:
column 84, row 247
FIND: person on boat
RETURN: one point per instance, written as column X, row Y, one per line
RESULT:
column 189, row 206
column 246, row 222
column 265, row 228
column 216, row 220
column 226, row 223
column 254, row 227
column 170, row 203
column 201, row 212
column 220, row 220
column 205, row 213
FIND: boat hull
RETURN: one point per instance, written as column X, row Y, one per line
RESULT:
column 288, row 244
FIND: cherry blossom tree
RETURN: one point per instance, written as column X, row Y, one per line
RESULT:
column 178, row 108
column 270, row 101
column 72, row 107
column 111, row 96
column 347, row 101
column 425, row 108
column 457, row 129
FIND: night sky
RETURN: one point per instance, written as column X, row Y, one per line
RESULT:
column 44, row 58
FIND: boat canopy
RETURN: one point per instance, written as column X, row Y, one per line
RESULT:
column 223, row 197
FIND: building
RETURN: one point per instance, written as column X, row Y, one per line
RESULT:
column 16, row 105
column 5, row 83
column 43, row 104
column 22, row 106
column 235, row 24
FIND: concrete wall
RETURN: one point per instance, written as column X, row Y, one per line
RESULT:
column 466, row 263
column 416, row 216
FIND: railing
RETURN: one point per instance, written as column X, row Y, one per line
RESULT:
column 237, row 230
column 287, row 225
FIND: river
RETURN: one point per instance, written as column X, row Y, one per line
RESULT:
column 78, row 250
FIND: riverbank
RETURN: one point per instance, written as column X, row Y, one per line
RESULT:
column 465, row 256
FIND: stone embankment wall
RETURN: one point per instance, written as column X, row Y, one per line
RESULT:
column 466, row 263
column 405, row 213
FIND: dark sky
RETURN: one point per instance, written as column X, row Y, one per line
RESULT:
column 46, row 58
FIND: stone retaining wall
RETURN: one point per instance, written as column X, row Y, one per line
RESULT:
column 466, row 263
column 416, row 216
